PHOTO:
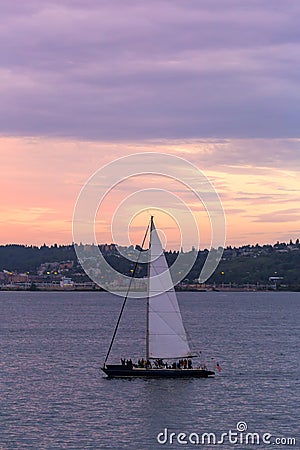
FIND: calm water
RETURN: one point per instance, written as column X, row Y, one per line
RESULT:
column 54, row 397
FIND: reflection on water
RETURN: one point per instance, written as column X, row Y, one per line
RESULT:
column 55, row 397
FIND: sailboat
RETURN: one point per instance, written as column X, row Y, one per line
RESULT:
column 168, row 353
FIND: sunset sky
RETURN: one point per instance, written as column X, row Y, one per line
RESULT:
column 216, row 82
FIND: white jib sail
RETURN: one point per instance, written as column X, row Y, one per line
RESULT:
column 166, row 333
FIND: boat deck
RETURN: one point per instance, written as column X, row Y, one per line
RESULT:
column 118, row 370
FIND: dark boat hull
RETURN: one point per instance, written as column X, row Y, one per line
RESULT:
column 113, row 371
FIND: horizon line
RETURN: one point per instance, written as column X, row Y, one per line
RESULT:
column 55, row 244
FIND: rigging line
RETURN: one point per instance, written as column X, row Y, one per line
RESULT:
column 125, row 298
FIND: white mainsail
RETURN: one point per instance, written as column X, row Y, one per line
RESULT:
column 166, row 337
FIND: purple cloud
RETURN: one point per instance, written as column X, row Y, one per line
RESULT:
column 137, row 70
column 284, row 215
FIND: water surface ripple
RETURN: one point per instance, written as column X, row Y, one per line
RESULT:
column 53, row 395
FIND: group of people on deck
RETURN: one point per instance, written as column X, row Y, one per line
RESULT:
column 183, row 364
column 180, row 364
column 127, row 363
column 144, row 363
column 158, row 364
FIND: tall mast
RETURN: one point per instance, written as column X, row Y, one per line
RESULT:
column 148, row 293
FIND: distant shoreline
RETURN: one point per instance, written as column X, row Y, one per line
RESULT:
column 98, row 289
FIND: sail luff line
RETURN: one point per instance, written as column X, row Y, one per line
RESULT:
column 125, row 298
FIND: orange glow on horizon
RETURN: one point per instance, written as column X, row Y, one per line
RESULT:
column 41, row 179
